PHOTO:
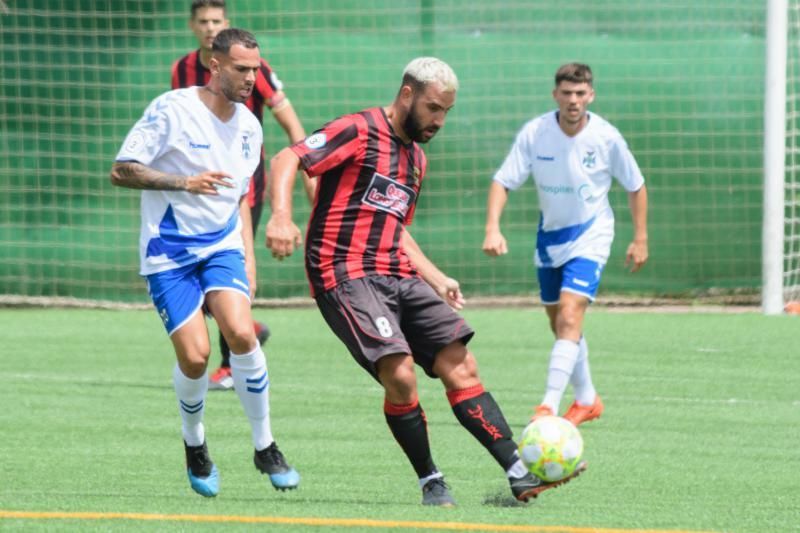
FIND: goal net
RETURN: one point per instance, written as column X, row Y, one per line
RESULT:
column 791, row 267
column 681, row 79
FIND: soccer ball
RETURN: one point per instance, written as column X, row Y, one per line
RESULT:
column 551, row 447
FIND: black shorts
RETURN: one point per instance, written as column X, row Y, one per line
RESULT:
column 383, row 315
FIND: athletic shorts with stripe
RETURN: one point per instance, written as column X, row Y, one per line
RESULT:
column 383, row 315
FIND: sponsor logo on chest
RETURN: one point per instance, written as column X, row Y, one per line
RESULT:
column 386, row 194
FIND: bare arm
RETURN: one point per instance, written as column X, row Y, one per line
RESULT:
column 446, row 287
column 286, row 116
column 135, row 175
column 281, row 233
column 637, row 253
column 247, row 239
column 494, row 243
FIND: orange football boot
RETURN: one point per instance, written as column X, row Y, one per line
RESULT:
column 540, row 411
column 578, row 414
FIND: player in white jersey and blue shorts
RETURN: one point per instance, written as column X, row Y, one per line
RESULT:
column 573, row 156
column 192, row 155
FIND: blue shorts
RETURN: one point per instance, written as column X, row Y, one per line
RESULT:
column 580, row 276
column 179, row 293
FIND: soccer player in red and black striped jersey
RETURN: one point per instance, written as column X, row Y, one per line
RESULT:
column 208, row 18
column 384, row 299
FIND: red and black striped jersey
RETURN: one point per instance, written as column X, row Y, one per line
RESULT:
column 189, row 71
column 369, row 180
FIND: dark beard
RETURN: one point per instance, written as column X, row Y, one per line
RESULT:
column 412, row 126
column 231, row 94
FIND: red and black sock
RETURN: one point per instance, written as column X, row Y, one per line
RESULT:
column 410, row 429
column 479, row 413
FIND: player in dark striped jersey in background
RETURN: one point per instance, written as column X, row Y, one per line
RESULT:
column 375, row 288
column 208, row 18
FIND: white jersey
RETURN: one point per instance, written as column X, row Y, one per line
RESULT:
column 179, row 134
column 573, row 176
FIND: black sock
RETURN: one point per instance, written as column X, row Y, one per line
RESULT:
column 410, row 429
column 225, row 351
column 482, row 417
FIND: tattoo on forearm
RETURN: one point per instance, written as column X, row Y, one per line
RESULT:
column 138, row 176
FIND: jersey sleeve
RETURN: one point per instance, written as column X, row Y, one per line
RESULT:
column 329, row 147
column 175, row 82
column 624, row 167
column 269, row 86
column 516, row 168
column 150, row 136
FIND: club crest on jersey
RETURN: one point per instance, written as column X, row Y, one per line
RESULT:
column 415, row 176
column 386, row 194
column 245, row 147
column 589, row 160
column 318, row 140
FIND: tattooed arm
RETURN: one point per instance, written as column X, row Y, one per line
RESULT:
column 135, row 175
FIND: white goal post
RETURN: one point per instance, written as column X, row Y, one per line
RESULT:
column 774, row 157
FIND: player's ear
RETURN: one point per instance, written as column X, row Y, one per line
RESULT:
column 226, row 24
column 591, row 96
column 406, row 94
column 213, row 64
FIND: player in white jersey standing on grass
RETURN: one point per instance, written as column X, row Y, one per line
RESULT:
column 193, row 153
column 572, row 155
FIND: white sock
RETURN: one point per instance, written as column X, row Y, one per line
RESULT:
column 424, row 480
column 562, row 363
column 251, row 381
column 581, row 379
column 191, row 394
column 517, row 470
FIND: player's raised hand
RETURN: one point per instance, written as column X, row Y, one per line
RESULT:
column 494, row 244
column 450, row 291
column 636, row 256
column 283, row 236
column 209, row 182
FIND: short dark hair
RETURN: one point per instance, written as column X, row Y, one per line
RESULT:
column 200, row 4
column 574, row 73
column 230, row 36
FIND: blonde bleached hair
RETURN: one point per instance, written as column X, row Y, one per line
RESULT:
column 426, row 70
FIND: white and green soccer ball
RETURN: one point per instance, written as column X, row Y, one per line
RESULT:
column 551, row 447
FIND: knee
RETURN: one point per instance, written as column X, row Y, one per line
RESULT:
column 241, row 338
column 193, row 364
column 569, row 319
column 457, row 367
column 400, row 382
column 192, row 349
